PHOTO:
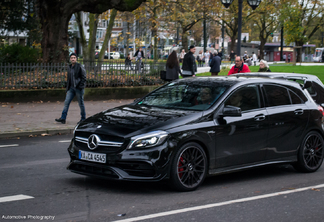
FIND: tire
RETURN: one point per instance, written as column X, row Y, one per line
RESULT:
column 310, row 154
column 189, row 167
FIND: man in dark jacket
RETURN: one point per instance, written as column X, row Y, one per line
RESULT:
column 215, row 65
column 189, row 66
column 76, row 80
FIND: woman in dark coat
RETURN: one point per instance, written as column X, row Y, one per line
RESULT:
column 172, row 67
column 215, row 65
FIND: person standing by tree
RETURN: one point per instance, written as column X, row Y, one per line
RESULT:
column 139, row 55
column 76, row 80
column 232, row 56
column 189, row 66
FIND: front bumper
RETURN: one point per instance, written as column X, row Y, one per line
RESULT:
column 133, row 165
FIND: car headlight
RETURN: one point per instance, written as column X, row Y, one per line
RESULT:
column 148, row 139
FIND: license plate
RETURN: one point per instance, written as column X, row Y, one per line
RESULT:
column 93, row 157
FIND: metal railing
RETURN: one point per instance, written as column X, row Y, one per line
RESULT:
column 99, row 74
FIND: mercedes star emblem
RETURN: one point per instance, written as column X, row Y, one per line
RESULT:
column 93, row 141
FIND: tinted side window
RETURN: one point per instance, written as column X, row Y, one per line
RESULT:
column 247, row 98
column 294, row 98
column 276, row 95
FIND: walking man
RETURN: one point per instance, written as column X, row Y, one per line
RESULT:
column 76, row 80
column 189, row 66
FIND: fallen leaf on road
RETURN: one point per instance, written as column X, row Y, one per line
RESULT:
column 11, row 107
column 4, row 105
column 18, row 113
column 31, row 135
column 18, row 138
column 316, row 189
column 17, row 128
column 45, row 134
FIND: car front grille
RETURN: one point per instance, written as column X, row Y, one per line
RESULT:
column 106, row 143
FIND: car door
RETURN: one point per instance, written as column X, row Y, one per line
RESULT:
column 288, row 116
column 242, row 140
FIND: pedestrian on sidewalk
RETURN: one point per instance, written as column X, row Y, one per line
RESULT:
column 284, row 57
column 189, row 66
column 76, row 80
column 128, row 62
column 215, row 65
column 139, row 55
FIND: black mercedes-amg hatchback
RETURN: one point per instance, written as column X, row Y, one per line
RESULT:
column 196, row 127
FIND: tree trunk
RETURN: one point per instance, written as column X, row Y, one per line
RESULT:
column 55, row 16
column 233, row 38
column 263, row 41
column 108, row 34
column 83, row 40
column 55, row 31
column 184, row 37
column 299, row 51
column 93, row 24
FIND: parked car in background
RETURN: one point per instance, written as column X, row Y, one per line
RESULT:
column 196, row 127
column 316, row 89
column 114, row 55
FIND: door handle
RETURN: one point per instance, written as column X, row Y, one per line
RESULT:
column 260, row 117
column 299, row 112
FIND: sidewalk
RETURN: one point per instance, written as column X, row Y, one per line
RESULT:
column 38, row 118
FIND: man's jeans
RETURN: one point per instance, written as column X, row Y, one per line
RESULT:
column 69, row 96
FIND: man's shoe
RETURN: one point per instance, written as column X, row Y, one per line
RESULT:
column 60, row 120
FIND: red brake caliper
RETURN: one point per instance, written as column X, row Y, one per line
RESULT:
column 180, row 168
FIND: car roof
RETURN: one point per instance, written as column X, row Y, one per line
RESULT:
column 236, row 79
column 291, row 76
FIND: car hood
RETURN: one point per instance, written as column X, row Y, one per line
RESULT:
column 129, row 120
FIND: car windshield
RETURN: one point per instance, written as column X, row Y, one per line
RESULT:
column 318, row 52
column 192, row 95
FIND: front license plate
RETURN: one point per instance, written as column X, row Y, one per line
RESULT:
column 93, row 157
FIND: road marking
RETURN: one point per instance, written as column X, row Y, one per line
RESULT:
column 64, row 141
column 167, row 213
column 9, row 145
column 14, row 198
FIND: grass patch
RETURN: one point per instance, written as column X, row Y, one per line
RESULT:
column 313, row 70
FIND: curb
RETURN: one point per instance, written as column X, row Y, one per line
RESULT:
column 36, row 133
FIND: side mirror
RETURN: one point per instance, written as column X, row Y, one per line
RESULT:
column 307, row 84
column 232, row 111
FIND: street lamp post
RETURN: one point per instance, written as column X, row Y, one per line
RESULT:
column 254, row 4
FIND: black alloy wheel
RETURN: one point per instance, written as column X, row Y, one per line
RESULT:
column 310, row 155
column 189, row 167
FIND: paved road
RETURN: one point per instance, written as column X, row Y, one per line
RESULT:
column 36, row 169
